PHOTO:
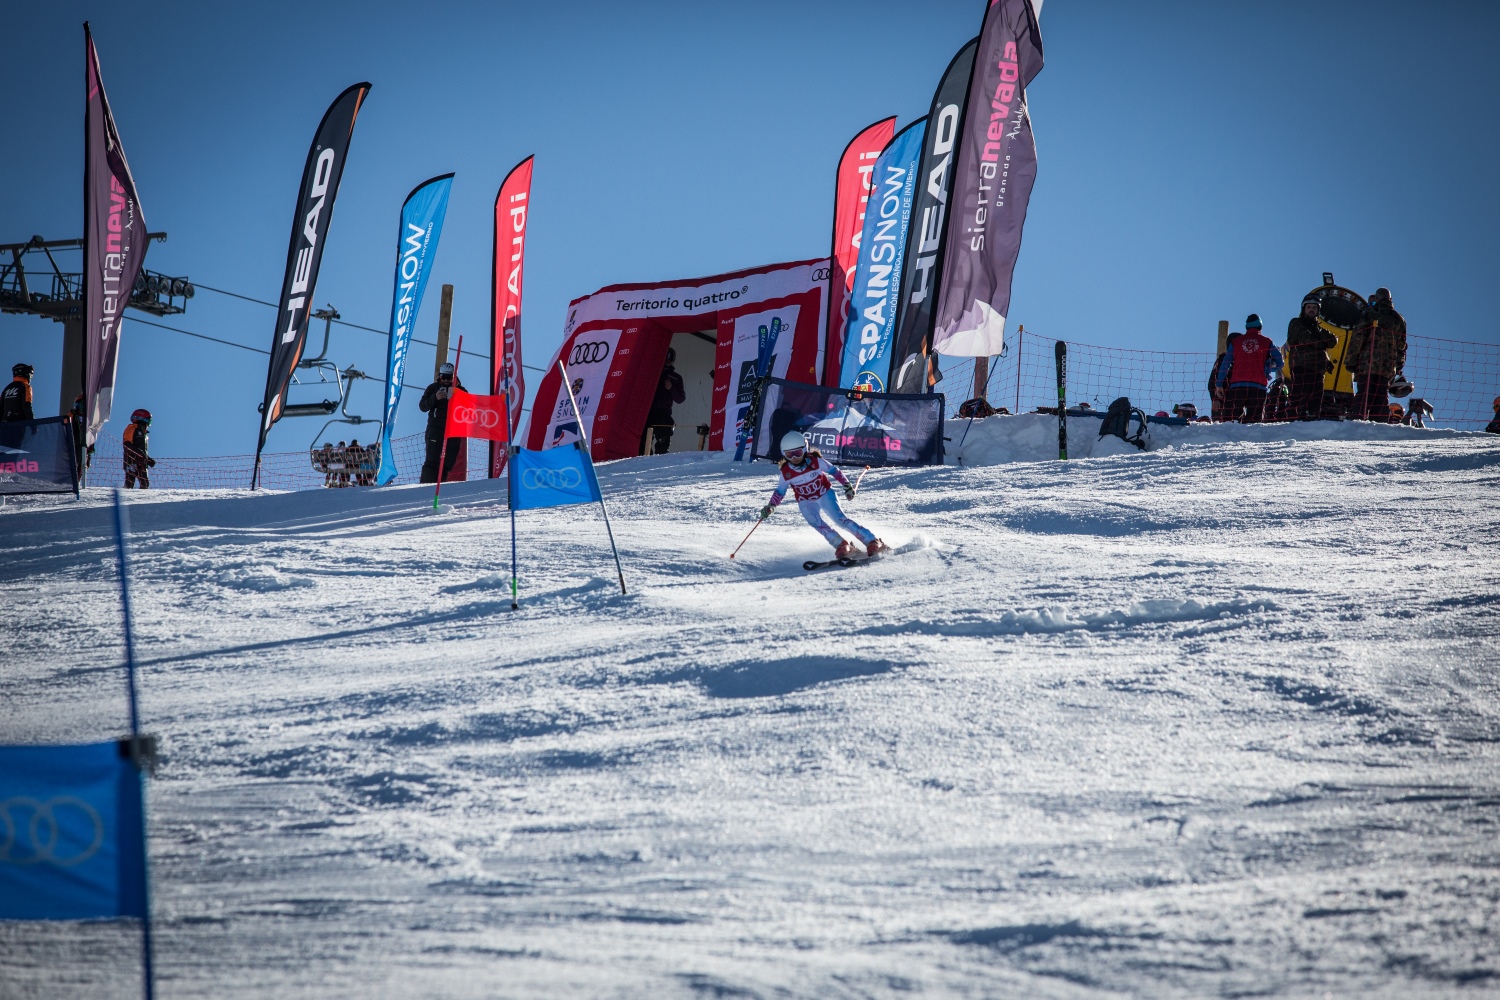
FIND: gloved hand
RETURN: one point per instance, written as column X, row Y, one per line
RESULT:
column 765, row 512
column 848, row 492
column 150, row 463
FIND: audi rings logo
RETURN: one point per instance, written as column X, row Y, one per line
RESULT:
column 590, row 353
column 476, row 417
column 33, row 832
column 821, row 273
column 551, row 479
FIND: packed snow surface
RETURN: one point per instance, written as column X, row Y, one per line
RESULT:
column 1217, row 720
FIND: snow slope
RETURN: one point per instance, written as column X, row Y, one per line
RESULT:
column 1221, row 719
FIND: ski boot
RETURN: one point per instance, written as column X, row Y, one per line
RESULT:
column 844, row 551
column 875, row 548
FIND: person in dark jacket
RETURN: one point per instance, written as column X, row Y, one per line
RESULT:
column 1377, row 354
column 435, row 404
column 15, row 399
column 669, row 390
column 137, row 461
column 1250, row 359
column 1215, row 394
column 1493, row 427
column 1307, row 346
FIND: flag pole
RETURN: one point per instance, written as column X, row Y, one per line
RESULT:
column 122, row 527
column 510, row 501
column 443, row 454
column 584, row 445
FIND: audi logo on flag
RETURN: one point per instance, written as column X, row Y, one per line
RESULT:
column 821, row 273
column 31, row 832
column 551, row 479
column 487, row 419
column 590, row 353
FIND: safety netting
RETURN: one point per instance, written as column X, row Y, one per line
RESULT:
column 1459, row 379
column 860, row 428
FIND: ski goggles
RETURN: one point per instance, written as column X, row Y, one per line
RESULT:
column 795, row 456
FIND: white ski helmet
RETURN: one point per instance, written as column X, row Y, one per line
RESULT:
column 793, row 441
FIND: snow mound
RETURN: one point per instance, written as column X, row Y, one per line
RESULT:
column 261, row 580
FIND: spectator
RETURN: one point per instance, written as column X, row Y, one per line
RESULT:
column 1185, row 411
column 371, row 465
column 354, row 455
column 323, row 462
column 83, row 456
column 15, row 399
column 1215, row 394
column 1493, row 427
column 1250, row 359
column 137, row 461
column 341, row 465
column 435, row 404
column 1377, row 354
column 1307, row 344
column 669, row 390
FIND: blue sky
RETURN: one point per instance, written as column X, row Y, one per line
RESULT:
column 1197, row 161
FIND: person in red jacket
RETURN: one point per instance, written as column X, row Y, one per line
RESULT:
column 1250, row 360
column 137, row 462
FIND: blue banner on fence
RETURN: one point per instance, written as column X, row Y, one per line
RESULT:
column 421, row 225
column 36, row 456
column 72, row 836
column 552, row 478
column 871, row 324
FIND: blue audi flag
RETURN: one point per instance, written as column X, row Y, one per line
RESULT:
column 882, row 252
column 416, row 244
column 72, row 833
column 552, row 478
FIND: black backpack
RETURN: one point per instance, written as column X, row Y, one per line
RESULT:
column 1117, row 421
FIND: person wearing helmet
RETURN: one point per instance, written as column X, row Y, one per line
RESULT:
column 1376, row 355
column 1250, row 359
column 15, row 399
column 1493, row 427
column 434, row 403
column 669, row 390
column 1307, row 347
column 137, row 461
column 810, row 477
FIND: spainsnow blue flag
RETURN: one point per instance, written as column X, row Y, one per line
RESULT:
column 72, row 833
column 555, row 477
column 421, row 224
column 882, row 254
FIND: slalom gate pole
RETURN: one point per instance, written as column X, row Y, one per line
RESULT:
column 583, row 445
column 1369, row 367
column 1061, row 350
column 443, row 454
column 746, row 538
column 122, row 528
column 1020, row 340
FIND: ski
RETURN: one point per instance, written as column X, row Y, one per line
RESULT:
column 813, row 564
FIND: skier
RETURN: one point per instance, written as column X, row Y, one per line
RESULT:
column 15, row 399
column 434, row 403
column 136, row 459
column 810, row 476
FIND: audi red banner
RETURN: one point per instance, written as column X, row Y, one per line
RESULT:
column 472, row 416
column 114, row 246
column 851, row 196
column 315, row 198
column 992, row 185
column 511, row 205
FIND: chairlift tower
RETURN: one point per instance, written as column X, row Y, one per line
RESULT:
column 49, row 291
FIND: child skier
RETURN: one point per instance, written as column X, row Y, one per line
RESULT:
column 810, row 477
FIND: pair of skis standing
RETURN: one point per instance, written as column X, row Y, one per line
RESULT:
column 810, row 478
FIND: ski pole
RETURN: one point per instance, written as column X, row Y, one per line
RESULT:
column 747, row 537
column 860, row 478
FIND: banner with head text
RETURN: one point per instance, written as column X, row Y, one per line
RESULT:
column 512, row 208
column 992, row 185
column 416, row 244
column 850, row 198
column 314, row 214
column 871, row 322
column 114, row 246
column 929, row 225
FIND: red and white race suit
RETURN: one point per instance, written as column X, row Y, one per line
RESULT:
column 810, row 484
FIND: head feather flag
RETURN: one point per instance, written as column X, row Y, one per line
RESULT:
column 114, row 245
column 996, row 170
column 512, row 210
column 304, row 255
